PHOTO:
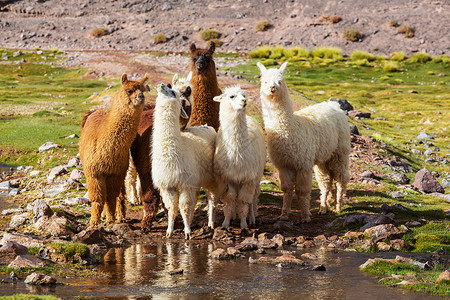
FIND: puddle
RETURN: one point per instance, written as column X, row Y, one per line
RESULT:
column 142, row 272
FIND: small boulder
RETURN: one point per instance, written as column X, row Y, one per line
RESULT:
column 90, row 236
column 39, row 279
column 279, row 240
column 248, row 244
column 354, row 129
column 400, row 245
column 444, row 276
column 354, row 235
column 22, row 239
column 26, row 260
column 55, row 172
column 76, row 201
column 220, row 254
column 398, row 178
column 359, row 114
column 382, row 246
column 18, row 220
column 318, row 268
column 74, row 162
column 76, row 174
column 384, row 231
column 427, row 183
column 343, row 103
column 290, row 259
column 10, row 250
column 48, row 145
column 41, row 209
column 424, row 135
column 309, row 256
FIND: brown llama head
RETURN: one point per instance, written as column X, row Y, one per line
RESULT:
column 132, row 91
column 201, row 59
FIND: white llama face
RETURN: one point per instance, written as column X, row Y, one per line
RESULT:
column 233, row 97
column 272, row 79
column 183, row 89
column 166, row 94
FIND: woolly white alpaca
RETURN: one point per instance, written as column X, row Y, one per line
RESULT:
column 239, row 158
column 317, row 136
column 183, row 89
column 181, row 160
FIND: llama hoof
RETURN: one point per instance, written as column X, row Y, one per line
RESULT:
column 283, row 218
column 305, row 219
column 168, row 235
column 322, row 211
column 244, row 232
column 187, row 236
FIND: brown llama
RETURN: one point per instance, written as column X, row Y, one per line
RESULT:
column 142, row 148
column 204, row 87
column 105, row 141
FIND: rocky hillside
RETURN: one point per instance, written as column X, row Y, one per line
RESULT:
column 131, row 25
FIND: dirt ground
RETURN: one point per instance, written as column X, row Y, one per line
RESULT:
column 67, row 25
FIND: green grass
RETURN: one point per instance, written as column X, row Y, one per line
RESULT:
column 70, row 250
column 29, row 297
column 430, row 237
column 426, row 278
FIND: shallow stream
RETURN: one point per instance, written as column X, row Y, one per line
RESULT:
column 142, row 272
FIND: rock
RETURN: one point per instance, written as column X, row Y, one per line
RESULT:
column 5, row 185
column 309, row 256
column 367, row 174
column 382, row 246
column 400, row 245
column 405, row 282
column 425, row 182
column 74, row 162
column 11, row 211
column 290, row 259
column 90, row 236
column 176, row 272
column 384, row 231
column 354, row 129
column 22, row 239
column 48, row 145
column 428, row 152
column 222, row 235
column 279, row 240
column 397, row 195
column 76, row 174
column 35, row 173
column 121, row 229
column 300, row 239
column 398, row 178
column 10, row 250
column 248, row 244
column 267, row 244
column 72, row 184
column 18, row 220
column 220, row 254
column 76, row 201
column 39, row 279
column 443, row 196
column 41, row 209
column 14, row 191
column 306, row 244
column 354, row 235
column 55, row 190
column 399, row 165
column 424, row 135
column 416, row 151
column 343, row 103
column 58, row 226
column 17, row 53
column 380, row 119
column 359, row 114
column 282, row 226
column 26, row 260
column 318, row 268
column 413, row 224
column 72, row 136
column 56, row 171
column 444, row 276
column 261, row 251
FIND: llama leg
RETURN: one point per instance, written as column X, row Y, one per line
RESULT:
column 114, row 185
column 324, row 180
column 303, row 186
column 120, row 206
column 244, row 200
column 97, row 196
column 151, row 201
column 254, row 205
column 287, row 178
column 188, row 200
column 342, row 177
column 170, row 198
column 228, row 200
column 211, row 206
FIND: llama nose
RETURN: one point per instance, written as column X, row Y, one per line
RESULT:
column 272, row 89
column 244, row 102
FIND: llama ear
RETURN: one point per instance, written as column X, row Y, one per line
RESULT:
column 183, row 113
column 283, row 67
column 212, row 47
column 124, row 78
column 261, row 67
column 192, row 47
column 175, row 79
column 189, row 77
column 145, row 78
column 217, row 98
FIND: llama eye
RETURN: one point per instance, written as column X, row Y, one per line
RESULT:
column 129, row 92
column 232, row 96
column 279, row 82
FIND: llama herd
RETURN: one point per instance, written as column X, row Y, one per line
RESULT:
column 196, row 137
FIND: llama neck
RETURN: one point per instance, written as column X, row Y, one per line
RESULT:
column 234, row 130
column 166, row 125
column 277, row 109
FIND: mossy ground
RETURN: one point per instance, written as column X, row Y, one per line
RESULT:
column 426, row 279
column 29, row 297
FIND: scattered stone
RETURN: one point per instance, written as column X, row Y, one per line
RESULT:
column 367, row 174
column 74, row 162
column 248, row 244
column 399, row 165
column 39, row 279
column 18, row 220
column 426, row 182
column 55, row 190
column 35, row 173
column 398, row 178
column 48, row 145
column 384, row 231
column 306, row 244
column 26, row 260
column 279, row 240
column 400, row 245
column 354, row 235
column 22, row 239
column 76, row 201
column 416, row 151
column 58, row 226
column 397, row 195
column 424, row 135
column 444, row 276
column 290, row 259
column 56, row 171
column 318, row 268
column 10, row 250
column 354, row 129
column 72, row 136
column 359, row 114
column 176, row 272
column 40, row 210
column 382, row 246
column 220, row 254
column 5, row 185
column 443, row 196
column 261, row 251
column 309, row 256
column 76, row 174
column 90, row 236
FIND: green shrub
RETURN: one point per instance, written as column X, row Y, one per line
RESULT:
column 352, row 35
column 362, row 62
column 384, row 78
column 159, row 38
column 430, row 73
column 406, row 30
column 209, row 34
column 261, row 52
column 99, row 32
column 397, row 56
column 263, row 25
column 54, row 50
column 391, row 66
column 358, row 55
column 217, row 42
column 393, row 23
column 420, row 57
column 335, row 19
column 269, row 62
column 441, row 59
column 327, row 52
column 300, row 52
column 277, row 52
